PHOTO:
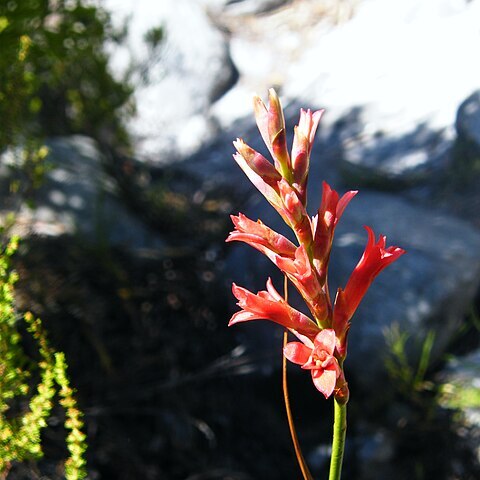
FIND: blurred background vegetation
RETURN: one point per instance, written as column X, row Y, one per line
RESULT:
column 53, row 73
column 54, row 80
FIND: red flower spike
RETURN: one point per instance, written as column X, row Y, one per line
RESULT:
column 302, row 148
column 261, row 237
column 269, row 305
column 374, row 259
column 318, row 357
column 330, row 211
column 271, row 123
column 323, row 345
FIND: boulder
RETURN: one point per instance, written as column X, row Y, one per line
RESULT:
column 78, row 197
column 381, row 158
column 175, row 82
column 393, row 80
column 468, row 125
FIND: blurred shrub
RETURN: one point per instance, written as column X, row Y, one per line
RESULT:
column 53, row 72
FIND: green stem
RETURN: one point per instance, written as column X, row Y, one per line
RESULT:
column 338, row 443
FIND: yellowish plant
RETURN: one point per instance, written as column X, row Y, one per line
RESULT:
column 20, row 434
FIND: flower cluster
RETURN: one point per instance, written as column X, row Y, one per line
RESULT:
column 323, row 339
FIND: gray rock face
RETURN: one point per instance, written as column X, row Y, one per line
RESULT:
column 79, row 198
column 391, row 62
column 386, row 160
column 387, row 80
column 431, row 287
column 178, row 81
column 468, row 124
column 376, row 452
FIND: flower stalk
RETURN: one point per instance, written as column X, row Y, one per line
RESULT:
column 338, row 441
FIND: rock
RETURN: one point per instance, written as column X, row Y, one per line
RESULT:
column 460, row 391
column 468, row 124
column 456, row 189
column 384, row 76
column 383, row 159
column 431, row 287
column 375, row 452
column 266, row 48
column 78, row 198
column 242, row 7
column 176, row 82
column 334, row 54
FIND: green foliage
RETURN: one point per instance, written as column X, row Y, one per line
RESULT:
column 20, row 433
column 459, row 396
column 408, row 379
column 16, row 87
column 53, row 71
column 459, row 392
column 13, row 376
column 154, row 36
column 76, row 439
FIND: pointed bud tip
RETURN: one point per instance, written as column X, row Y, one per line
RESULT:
column 258, row 103
column 272, row 93
column 237, row 143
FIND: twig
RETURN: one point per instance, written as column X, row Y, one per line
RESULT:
column 296, row 445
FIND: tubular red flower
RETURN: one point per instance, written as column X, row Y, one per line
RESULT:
column 329, row 213
column 261, row 237
column 318, row 357
column 302, row 147
column 271, row 123
column 374, row 259
column 259, row 171
column 269, row 305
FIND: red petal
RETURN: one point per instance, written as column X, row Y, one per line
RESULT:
column 326, row 340
column 344, row 201
column 259, row 236
column 324, row 381
column 242, row 316
column 374, row 259
column 261, row 116
column 269, row 305
column 297, row 352
column 266, row 189
column 273, row 291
